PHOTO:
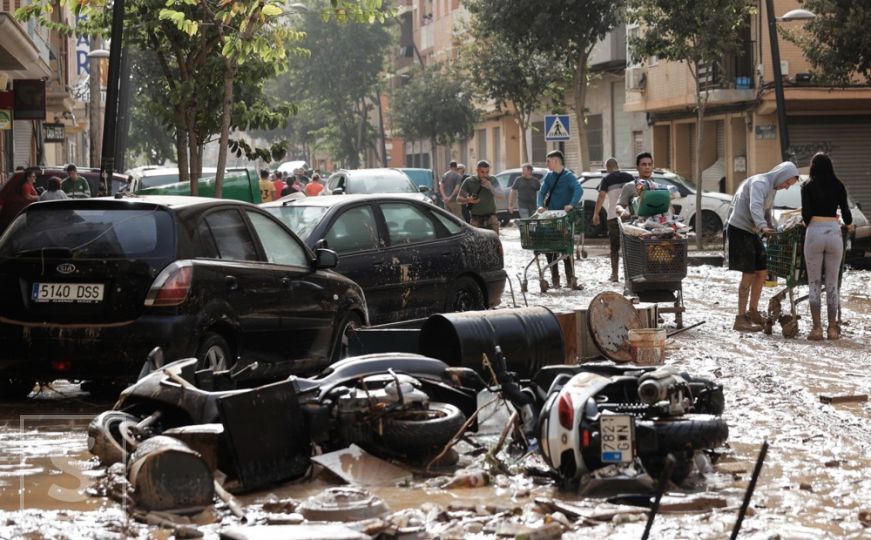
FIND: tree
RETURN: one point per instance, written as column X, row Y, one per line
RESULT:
column 836, row 42
column 434, row 105
column 562, row 28
column 509, row 74
column 150, row 138
column 699, row 33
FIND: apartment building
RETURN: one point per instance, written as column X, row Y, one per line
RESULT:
column 741, row 129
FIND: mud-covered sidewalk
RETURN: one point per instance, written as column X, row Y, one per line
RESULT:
column 814, row 484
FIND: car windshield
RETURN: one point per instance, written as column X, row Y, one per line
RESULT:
column 421, row 178
column 90, row 233
column 677, row 179
column 788, row 198
column 381, row 184
column 301, row 219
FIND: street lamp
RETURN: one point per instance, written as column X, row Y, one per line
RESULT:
column 793, row 15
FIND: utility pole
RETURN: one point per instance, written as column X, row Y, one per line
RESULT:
column 107, row 161
column 95, row 127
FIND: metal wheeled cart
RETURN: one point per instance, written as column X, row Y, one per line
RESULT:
column 554, row 236
column 785, row 251
column 654, row 269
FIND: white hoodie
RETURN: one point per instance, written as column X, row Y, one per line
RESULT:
column 755, row 196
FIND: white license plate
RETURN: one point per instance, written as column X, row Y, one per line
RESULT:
column 617, row 432
column 87, row 293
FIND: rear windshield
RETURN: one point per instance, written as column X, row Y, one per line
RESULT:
column 90, row 233
column 381, row 184
column 301, row 219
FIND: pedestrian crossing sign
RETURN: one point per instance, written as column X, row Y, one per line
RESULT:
column 556, row 127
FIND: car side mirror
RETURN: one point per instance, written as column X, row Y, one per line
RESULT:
column 326, row 259
column 423, row 189
column 153, row 362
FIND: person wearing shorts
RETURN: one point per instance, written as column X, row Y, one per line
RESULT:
column 749, row 219
column 610, row 189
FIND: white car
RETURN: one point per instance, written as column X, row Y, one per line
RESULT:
column 372, row 181
column 715, row 206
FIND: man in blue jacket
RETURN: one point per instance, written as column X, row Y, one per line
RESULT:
column 560, row 190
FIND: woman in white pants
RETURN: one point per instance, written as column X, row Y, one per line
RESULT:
column 821, row 197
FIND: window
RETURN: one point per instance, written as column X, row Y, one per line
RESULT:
column 482, row 147
column 407, row 224
column 231, row 236
column 354, row 230
column 452, row 226
column 497, row 142
column 594, row 137
column 280, row 247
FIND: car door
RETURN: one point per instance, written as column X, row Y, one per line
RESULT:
column 417, row 256
column 305, row 297
column 245, row 282
column 354, row 235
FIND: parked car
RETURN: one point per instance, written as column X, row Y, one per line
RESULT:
column 715, row 206
column 790, row 199
column 506, row 180
column 119, row 181
column 412, row 259
column 89, row 286
column 425, row 178
column 240, row 183
column 366, row 181
column 289, row 166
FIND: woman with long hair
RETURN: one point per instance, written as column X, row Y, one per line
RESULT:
column 15, row 195
column 821, row 197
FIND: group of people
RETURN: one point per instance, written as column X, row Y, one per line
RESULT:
column 21, row 191
column 276, row 184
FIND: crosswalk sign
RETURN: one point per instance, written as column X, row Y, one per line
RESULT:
column 556, row 127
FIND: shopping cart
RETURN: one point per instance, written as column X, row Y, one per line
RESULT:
column 654, row 269
column 786, row 260
column 554, row 236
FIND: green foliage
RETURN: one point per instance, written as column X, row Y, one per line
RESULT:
column 837, row 42
column 435, row 105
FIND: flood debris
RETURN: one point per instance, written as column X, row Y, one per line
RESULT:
column 342, row 504
column 331, row 531
column 166, row 474
column 357, row 466
column 468, row 479
column 831, row 399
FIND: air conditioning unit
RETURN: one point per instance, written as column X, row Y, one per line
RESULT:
column 636, row 79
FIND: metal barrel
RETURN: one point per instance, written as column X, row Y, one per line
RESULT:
column 167, row 475
column 529, row 337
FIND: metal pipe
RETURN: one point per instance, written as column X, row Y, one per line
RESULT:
column 750, row 488
column 785, row 152
column 107, row 161
column 123, row 112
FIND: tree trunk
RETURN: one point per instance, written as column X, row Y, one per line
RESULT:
column 223, row 140
column 700, row 137
column 579, row 95
column 181, row 149
column 524, row 125
column 434, row 165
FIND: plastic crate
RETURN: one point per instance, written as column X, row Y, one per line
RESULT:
column 786, row 256
column 554, row 235
column 650, row 259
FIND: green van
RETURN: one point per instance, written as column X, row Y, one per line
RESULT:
column 240, row 183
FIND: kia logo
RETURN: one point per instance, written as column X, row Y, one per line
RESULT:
column 66, row 268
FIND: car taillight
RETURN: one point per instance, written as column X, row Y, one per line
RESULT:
column 171, row 286
column 566, row 411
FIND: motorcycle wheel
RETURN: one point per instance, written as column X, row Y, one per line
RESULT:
column 711, row 400
column 419, row 431
column 655, row 464
column 690, row 432
column 104, row 436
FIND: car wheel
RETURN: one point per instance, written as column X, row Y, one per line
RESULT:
column 13, row 388
column 350, row 322
column 214, row 353
column 712, row 225
column 465, row 295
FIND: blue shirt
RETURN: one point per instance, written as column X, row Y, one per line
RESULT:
column 567, row 191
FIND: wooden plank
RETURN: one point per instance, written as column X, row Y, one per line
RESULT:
column 832, row 399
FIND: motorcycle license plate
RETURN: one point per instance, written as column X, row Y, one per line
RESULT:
column 618, row 438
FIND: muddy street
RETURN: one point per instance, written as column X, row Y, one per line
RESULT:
column 814, row 483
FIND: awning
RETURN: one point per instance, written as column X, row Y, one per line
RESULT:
column 19, row 56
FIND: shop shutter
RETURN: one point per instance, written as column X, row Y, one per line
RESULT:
column 22, row 134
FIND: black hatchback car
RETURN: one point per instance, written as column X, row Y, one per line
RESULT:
column 89, row 286
column 412, row 258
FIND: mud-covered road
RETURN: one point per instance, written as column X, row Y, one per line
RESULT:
column 815, row 483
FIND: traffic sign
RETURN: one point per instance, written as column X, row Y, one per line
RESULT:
column 556, row 127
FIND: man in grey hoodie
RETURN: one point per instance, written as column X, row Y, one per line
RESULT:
column 749, row 220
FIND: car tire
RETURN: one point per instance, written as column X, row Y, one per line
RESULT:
column 464, row 294
column 350, row 322
column 13, row 388
column 214, row 353
column 423, row 430
column 104, row 436
column 712, row 225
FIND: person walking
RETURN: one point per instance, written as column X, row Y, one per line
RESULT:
column 315, row 187
column 524, row 193
column 611, row 187
column 560, row 190
column 480, row 193
column 74, row 185
column 53, row 191
column 747, row 222
column 449, row 189
column 821, row 197
column 16, row 194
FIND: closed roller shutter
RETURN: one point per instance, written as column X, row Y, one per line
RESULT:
column 22, row 133
column 846, row 139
